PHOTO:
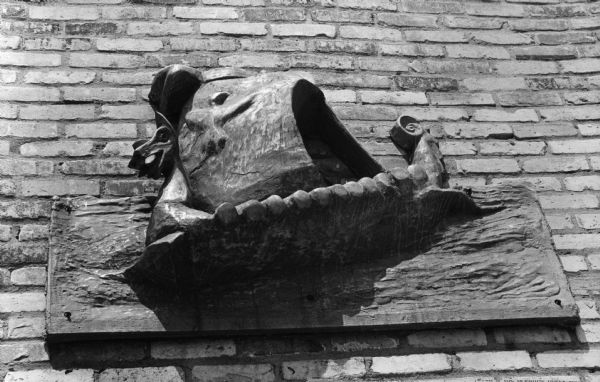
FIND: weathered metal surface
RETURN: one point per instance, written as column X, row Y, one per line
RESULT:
column 470, row 268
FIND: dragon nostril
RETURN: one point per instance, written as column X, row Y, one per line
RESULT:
column 219, row 98
column 211, row 147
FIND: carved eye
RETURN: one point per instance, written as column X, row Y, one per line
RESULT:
column 219, row 98
column 162, row 134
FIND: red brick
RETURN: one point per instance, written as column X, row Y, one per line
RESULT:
column 529, row 98
column 8, row 76
column 435, row 36
column 578, row 113
column 192, row 349
column 570, row 200
column 22, row 351
column 274, row 14
column 478, row 130
column 133, row 12
column 589, row 332
column 33, row 232
column 443, row 6
column 26, row 326
column 166, row 373
column 536, row 183
column 29, row 59
column 523, row 131
column 555, row 164
column 434, row 114
column 394, row 98
column 572, row 263
column 346, row 46
column 81, row 375
column 249, row 372
column 24, row 210
column 569, row 358
column 25, row 167
column 236, row 29
column 5, row 232
column 10, row 42
column 577, row 241
column 451, row 67
column 166, row 28
column 63, row 13
column 88, row 94
column 351, row 367
column 582, row 65
column 588, row 309
column 544, row 52
column 518, row 115
column 473, row 51
column 487, row 166
column 57, row 148
column 503, row 10
column 57, row 112
column 499, row 360
column 219, row 13
column 344, row 80
column 525, row 335
column 99, row 60
column 370, row 33
column 132, row 187
column 15, row 253
column 559, row 221
column 574, row 146
column 220, row 45
column 340, row 95
column 136, row 112
column 21, row 302
column 128, row 44
column 59, row 77
column 287, row 45
column 250, row 60
column 342, row 16
column 448, row 338
column 358, row 342
column 456, row 99
column 136, row 78
column 410, row 364
column 121, row 148
column 412, row 50
column 457, row 148
column 302, row 60
column 471, row 22
column 489, row 84
column 8, row 111
column 387, row 5
column 101, row 130
column 25, row 129
column 512, row 148
column 51, row 187
column 582, row 97
column 28, row 276
column 500, row 38
column 588, row 221
column 303, row 30
column 400, row 20
column 527, row 25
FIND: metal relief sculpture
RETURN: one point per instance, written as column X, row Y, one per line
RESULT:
column 260, row 175
column 273, row 216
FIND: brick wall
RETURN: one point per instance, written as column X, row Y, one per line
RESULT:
column 511, row 88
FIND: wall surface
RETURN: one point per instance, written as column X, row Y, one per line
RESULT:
column 511, row 89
